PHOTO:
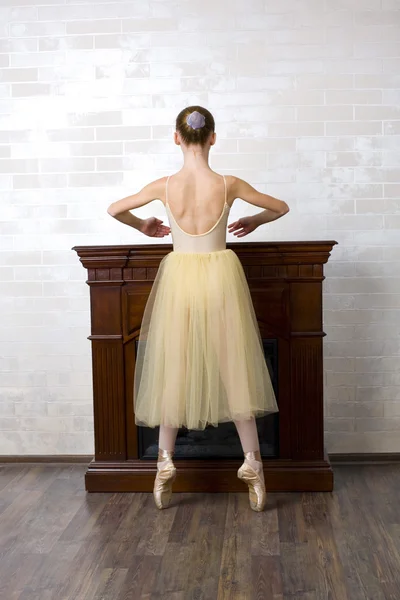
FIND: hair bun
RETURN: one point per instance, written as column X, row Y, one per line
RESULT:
column 196, row 120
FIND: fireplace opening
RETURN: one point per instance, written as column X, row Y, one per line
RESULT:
column 222, row 441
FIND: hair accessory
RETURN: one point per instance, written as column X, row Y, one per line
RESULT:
column 196, row 120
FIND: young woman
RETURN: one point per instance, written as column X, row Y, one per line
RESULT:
column 200, row 359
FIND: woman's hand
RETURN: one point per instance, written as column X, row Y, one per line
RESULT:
column 243, row 226
column 153, row 227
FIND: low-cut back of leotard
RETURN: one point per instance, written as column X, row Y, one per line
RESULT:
column 212, row 240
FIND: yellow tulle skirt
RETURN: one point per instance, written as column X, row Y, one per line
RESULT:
column 199, row 358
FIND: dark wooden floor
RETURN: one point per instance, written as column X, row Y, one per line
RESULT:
column 59, row 542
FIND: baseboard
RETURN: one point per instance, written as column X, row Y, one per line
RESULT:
column 47, row 458
column 364, row 458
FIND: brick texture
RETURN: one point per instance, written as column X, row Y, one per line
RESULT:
column 306, row 98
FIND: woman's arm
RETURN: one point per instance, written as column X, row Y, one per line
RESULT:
column 273, row 208
column 267, row 215
column 151, row 226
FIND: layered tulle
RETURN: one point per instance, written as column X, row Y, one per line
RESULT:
column 200, row 359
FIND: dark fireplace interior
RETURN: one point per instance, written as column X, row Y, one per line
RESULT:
column 222, row 441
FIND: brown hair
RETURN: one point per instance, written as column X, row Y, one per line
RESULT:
column 195, row 136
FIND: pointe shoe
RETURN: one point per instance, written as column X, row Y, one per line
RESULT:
column 255, row 481
column 165, row 477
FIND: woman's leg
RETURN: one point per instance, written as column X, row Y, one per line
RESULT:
column 166, row 470
column 247, row 430
column 166, row 440
column 248, row 434
column 254, row 477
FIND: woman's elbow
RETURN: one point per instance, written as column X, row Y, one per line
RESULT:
column 285, row 208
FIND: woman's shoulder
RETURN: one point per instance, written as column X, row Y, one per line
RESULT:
column 231, row 183
column 162, row 186
column 159, row 188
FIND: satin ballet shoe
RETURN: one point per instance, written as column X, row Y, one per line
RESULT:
column 255, row 482
column 165, row 477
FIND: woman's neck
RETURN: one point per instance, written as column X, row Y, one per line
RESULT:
column 195, row 159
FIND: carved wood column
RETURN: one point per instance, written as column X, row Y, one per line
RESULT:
column 108, row 373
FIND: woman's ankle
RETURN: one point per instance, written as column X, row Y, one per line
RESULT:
column 253, row 455
column 256, row 463
column 164, row 455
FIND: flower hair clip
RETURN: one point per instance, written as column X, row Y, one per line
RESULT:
column 196, row 120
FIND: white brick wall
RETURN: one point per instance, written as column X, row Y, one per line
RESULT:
column 306, row 98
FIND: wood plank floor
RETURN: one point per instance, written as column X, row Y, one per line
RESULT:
column 59, row 542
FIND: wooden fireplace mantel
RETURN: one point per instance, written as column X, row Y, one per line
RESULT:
column 285, row 280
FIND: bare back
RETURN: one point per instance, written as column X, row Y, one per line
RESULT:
column 198, row 212
column 196, row 202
